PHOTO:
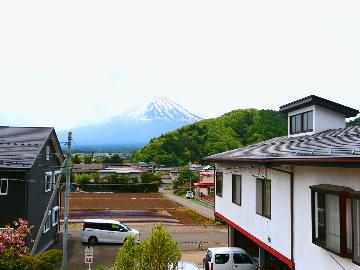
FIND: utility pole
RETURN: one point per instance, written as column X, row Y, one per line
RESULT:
column 67, row 197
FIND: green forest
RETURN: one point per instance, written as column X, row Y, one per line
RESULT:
column 355, row 122
column 196, row 141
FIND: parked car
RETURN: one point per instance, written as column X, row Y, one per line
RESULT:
column 187, row 266
column 228, row 258
column 106, row 231
column 189, row 194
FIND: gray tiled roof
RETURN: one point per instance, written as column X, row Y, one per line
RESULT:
column 334, row 144
column 20, row 146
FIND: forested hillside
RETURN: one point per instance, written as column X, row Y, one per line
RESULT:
column 196, row 141
column 355, row 122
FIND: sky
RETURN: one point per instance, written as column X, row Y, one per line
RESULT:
column 73, row 63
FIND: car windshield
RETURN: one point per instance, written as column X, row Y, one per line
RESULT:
column 127, row 227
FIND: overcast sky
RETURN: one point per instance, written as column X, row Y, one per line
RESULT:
column 70, row 63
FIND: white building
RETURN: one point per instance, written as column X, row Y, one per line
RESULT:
column 294, row 201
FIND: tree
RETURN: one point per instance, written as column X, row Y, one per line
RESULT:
column 127, row 257
column 158, row 252
column 76, row 159
column 88, row 159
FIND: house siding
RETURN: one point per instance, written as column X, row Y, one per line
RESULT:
column 278, row 228
column 306, row 254
column 38, row 199
column 11, row 208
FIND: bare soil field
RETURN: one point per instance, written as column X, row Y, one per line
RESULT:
column 128, row 205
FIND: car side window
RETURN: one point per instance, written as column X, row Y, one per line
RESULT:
column 221, row 258
column 116, row 227
column 241, row 258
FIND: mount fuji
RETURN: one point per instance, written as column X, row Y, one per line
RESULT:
column 135, row 127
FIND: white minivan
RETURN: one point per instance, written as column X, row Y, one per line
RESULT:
column 228, row 258
column 106, row 231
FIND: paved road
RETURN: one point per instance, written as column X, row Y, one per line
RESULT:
column 202, row 210
column 188, row 238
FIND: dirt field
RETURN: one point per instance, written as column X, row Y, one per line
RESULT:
column 156, row 205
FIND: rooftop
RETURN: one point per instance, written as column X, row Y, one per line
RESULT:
column 315, row 100
column 335, row 145
column 20, row 146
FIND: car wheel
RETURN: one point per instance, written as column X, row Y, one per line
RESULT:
column 92, row 241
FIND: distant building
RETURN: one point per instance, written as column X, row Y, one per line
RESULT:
column 30, row 162
column 294, row 201
column 167, row 179
column 78, row 169
column 205, row 185
column 128, row 171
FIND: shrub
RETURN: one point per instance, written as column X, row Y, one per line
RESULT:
column 127, row 256
column 47, row 260
column 158, row 252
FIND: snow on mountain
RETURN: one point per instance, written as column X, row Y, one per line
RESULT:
column 161, row 108
column 135, row 127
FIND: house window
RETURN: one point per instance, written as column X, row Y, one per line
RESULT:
column 55, row 215
column 302, row 122
column 331, row 219
column 4, row 184
column 55, row 178
column 263, row 197
column 219, row 184
column 47, row 223
column 236, row 189
column 356, row 229
column 48, row 181
column 47, row 152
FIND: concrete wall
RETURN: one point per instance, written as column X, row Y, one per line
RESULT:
column 306, row 254
column 278, row 228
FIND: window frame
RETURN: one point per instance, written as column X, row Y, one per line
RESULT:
column 354, row 196
column 48, row 182
column 233, row 198
column 7, row 186
column 263, row 197
column 53, row 181
column 219, row 194
column 54, row 210
column 302, row 130
column 48, row 221
column 343, row 194
column 47, row 152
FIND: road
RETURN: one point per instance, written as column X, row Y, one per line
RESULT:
column 202, row 210
column 188, row 238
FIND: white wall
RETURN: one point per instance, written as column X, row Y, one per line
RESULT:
column 278, row 227
column 306, row 254
column 323, row 119
column 326, row 119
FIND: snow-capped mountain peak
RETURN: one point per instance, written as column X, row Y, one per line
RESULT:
column 162, row 108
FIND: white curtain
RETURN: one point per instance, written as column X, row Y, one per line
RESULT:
column 332, row 222
column 356, row 234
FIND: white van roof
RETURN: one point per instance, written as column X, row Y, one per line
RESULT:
column 226, row 250
column 102, row 221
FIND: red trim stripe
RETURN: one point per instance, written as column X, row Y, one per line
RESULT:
column 269, row 249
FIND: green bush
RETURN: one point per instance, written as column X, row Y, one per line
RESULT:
column 158, row 252
column 45, row 261
column 127, row 257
